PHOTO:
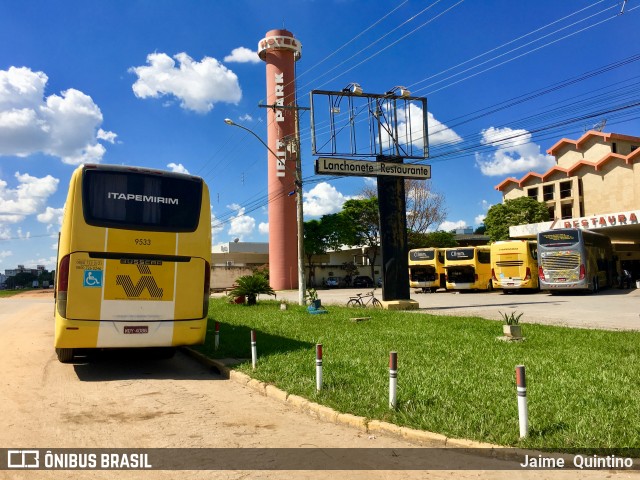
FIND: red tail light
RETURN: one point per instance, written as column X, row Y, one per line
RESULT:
column 62, row 276
column 207, row 289
column 583, row 271
column 540, row 273
column 476, row 276
column 493, row 275
column 527, row 275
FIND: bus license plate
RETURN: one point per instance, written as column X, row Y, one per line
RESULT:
column 562, row 279
column 134, row 330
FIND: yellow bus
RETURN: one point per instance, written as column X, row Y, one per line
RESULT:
column 133, row 264
column 426, row 269
column 514, row 265
column 468, row 268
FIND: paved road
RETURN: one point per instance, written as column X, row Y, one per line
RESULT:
column 609, row 309
column 130, row 401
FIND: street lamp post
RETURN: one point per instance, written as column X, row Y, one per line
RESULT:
column 299, row 212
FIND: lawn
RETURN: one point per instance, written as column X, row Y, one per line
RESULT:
column 454, row 376
column 9, row 293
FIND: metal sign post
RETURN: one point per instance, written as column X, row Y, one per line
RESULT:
column 390, row 128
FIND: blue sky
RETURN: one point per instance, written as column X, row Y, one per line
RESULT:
column 150, row 83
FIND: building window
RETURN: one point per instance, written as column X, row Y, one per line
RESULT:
column 565, row 189
column 580, row 190
column 614, row 147
column 633, row 147
column 532, row 192
column 552, row 213
column 547, row 192
column 566, row 211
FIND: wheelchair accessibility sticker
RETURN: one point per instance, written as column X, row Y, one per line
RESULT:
column 92, row 278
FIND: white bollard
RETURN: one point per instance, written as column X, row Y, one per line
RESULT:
column 319, row 367
column 254, row 349
column 216, row 342
column 393, row 379
column 523, row 415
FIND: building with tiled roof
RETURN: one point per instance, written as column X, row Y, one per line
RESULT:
column 595, row 185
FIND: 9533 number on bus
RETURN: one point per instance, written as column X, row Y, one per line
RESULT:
column 143, row 241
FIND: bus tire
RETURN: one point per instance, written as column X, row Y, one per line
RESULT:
column 65, row 355
column 596, row 285
column 434, row 289
column 490, row 286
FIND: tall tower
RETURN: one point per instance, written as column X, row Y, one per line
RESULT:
column 280, row 50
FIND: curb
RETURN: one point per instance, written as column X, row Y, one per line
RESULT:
column 327, row 414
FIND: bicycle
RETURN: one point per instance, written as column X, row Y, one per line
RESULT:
column 364, row 299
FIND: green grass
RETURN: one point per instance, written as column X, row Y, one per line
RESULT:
column 454, row 377
column 9, row 293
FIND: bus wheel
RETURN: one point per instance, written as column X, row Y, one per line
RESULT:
column 596, row 286
column 490, row 286
column 434, row 289
column 65, row 355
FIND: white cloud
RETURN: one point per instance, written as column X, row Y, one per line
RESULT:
column 263, row 228
column 246, row 118
column 410, row 129
column 51, row 215
column 65, row 126
column 242, row 55
column 322, row 200
column 198, row 85
column 439, row 133
column 515, row 153
column 479, row 220
column 241, row 224
column 28, row 198
column 177, row 168
column 447, row 226
column 107, row 136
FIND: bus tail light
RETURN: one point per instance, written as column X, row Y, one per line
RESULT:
column 205, row 299
column 541, row 273
column 63, row 285
column 527, row 274
column 583, row 271
column 476, row 277
column 493, row 274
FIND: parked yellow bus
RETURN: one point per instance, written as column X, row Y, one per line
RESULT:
column 468, row 268
column 133, row 263
column 514, row 265
column 426, row 269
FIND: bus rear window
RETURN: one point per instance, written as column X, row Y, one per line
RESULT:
column 141, row 200
column 421, row 255
column 561, row 237
column 460, row 254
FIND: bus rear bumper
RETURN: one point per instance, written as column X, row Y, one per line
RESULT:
column 109, row 334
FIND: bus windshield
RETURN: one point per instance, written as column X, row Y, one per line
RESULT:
column 130, row 200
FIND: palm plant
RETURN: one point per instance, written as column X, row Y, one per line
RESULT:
column 250, row 286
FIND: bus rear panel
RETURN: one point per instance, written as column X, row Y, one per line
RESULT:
column 514, row 265
column 574, row 259
column 468, row 268
column 426, row 269
column 133, row 266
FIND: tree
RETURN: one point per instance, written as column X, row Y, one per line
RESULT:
column 328, row 233
column 518, row 211
column 425, row 207
column 437, row 239
column 363, row 221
